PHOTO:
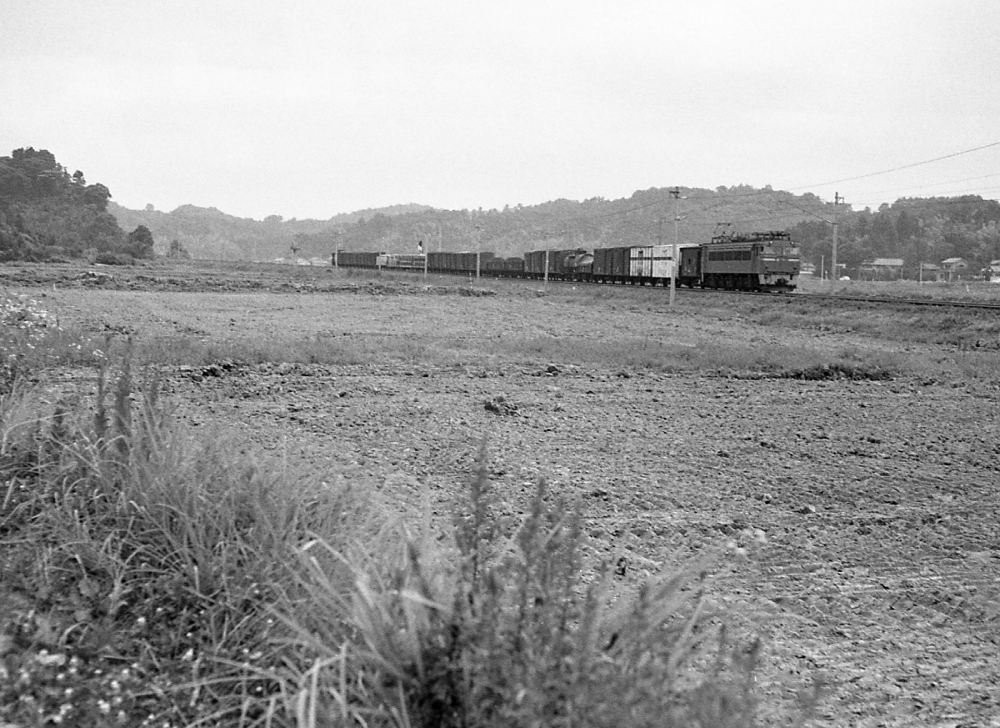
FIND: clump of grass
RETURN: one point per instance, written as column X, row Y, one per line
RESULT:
column 510, row 628
column 147, row 563
column 837, row 370
column 744, row 359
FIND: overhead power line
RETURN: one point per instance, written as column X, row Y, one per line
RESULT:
column 932, row 184
column 939, row 199
column 897, row 169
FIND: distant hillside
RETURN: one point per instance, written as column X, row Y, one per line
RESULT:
column 644, row 217
column 206, row 232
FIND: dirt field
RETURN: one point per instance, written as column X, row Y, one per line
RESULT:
column 867, row 510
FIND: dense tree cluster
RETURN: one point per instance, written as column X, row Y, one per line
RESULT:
column 916, row 230
column 46, row 213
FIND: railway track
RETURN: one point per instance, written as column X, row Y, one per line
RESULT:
column 988, row 305
column 941, row 303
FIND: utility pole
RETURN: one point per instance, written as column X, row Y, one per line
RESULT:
column 479, row 248
column 676, row 194
column 837, row 199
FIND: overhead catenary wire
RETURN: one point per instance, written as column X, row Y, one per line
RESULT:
column 948, row 199
column 898, row 169
column 934, row 184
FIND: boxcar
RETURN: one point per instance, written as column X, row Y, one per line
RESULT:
column 611, row 265
column 651, row 264
column 637, row 264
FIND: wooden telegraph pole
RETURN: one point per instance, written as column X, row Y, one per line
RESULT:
column 676, row 194
column 835, row 277
column 479, row 248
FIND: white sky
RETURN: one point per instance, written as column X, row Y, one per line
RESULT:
column 316, row 107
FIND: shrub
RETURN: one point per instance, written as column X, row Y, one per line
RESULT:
column 512, row 630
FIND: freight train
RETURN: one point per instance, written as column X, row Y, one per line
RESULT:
column 761, row 261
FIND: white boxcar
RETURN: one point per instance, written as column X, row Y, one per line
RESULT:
column 651, row 261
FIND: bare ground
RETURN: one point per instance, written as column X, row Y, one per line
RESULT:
column 868, row 510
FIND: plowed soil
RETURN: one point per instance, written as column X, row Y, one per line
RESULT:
column 856, row 520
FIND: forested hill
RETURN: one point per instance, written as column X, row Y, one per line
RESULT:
column 913, row 229
column 206, row 232
column 643, row 218
column 46, row 213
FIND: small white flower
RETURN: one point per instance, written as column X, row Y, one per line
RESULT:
column 45, row 658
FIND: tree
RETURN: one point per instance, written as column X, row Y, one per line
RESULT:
column 177, row 251
column 884, row 239
column 139, row 243
column 97, row 195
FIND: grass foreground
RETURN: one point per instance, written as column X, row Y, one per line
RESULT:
column 153, row 579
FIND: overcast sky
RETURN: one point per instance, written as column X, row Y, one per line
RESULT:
column 316, row 107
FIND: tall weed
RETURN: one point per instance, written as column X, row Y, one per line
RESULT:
column 512, row 629
column 137, row 540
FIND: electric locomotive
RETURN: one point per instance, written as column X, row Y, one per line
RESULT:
column 765, row 261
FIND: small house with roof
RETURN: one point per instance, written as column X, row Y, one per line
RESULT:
column 882, row 269
column 954, row 267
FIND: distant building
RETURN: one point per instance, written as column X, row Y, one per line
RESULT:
column 954, row 267
column 993, row 272
column 882, row 269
